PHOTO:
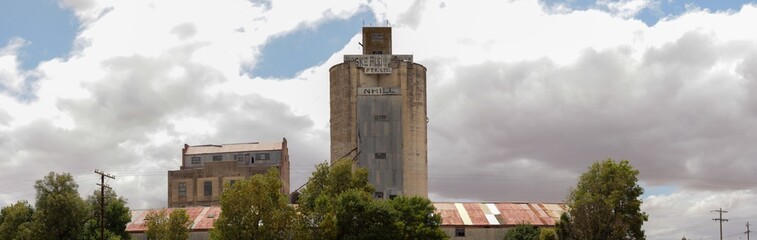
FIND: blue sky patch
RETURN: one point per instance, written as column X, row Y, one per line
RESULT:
column 664, row 8
column 285, row 56
column 48, row 29
column 657, row 190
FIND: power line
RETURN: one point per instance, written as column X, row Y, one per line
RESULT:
column 720, row 211
column 102, row 200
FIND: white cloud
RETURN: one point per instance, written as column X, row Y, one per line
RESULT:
column 532, row 96
column 689, row 213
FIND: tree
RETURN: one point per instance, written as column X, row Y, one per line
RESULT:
column 60, row 211
column 416, row 218
column 117, row 215
column 606, row 203
column 563, row 227
column 337, row 203
column 255, row 209
column 175, row 226
column 358, row 216
column 15, row 219
column 547, row 234
column 523, row 231
column 316, row 201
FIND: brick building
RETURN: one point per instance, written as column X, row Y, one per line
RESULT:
column 206, row 168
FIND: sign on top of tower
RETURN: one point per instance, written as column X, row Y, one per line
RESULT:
column 377, row 40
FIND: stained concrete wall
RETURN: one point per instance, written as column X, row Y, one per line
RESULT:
column 410, row 79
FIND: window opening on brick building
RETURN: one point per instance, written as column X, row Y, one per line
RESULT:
column 208, row 187
column 195, row 160
column 263, row 156
column 182, row 189
column 217, row 158
column 459, row 232
column 239, row 157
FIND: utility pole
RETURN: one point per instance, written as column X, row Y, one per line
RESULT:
column 102, row 200
column 747, row 231
column 721, row 220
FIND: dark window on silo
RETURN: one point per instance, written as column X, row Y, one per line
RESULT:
column 379, row 155
column 377, row 52
column 380, row 118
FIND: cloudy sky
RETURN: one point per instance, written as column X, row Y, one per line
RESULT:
column 522, row 95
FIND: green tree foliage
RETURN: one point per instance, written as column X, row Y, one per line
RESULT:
column 523, row 231
column 60, row 211
column 117, row 215
column 416, row 218
column 358, row 216
column 15, row 220
column 337, row 203
column 547, row 234
column 174, row 226
column 606, row 203
column 563, row 228
column 316, row 201
column 255, row 209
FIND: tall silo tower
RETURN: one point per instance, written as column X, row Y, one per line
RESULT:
column 378, row 116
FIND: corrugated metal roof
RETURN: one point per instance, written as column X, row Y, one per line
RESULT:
column 202, row 218
column 235, row 147
column 499, row 214
column 453, row 214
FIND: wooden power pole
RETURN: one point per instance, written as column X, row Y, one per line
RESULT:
column 102, row 200
column 721, row 220
column 747, row 230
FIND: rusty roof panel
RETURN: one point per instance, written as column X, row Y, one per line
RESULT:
column 448, row 213
column 476, row 214
column 516, row 213
column 206, row 221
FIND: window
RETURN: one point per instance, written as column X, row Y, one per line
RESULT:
column 182, row 189
column 217, row 158
column 378, row 195
column 208, row 188
column 239, row 157
column 379, row 155
column 392, row 196
column 380, row 118
column 459, row 232
column 377, row 52
column 263, row 156
column 195, row 160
